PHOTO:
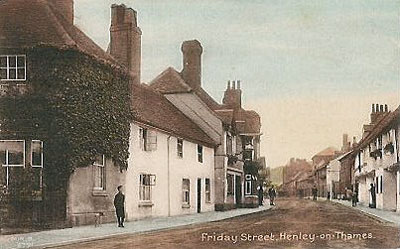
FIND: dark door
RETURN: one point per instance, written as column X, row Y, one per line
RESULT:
column 198, row 195
column 238, row 190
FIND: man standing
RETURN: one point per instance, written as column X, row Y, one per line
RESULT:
column 119, row 203
column 314, row 193
column 272, row 195
column 260, row 194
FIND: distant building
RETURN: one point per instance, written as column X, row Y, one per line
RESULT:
column 320, row 163
column 294, row 170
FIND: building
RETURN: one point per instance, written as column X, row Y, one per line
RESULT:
column 320, row 162
column 294, row 170
column 234, row 129
column 171, row 167
column 58, row 92
column 333, row 177
column 377, row 159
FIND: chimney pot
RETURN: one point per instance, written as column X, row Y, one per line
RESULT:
column 381, row 109
column 234, row 84
column 386, row 108
column 373, row 108
column 229, row 85
column 238, row 84
column 376, row 108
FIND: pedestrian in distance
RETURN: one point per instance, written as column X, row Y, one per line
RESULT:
column 314, row 192
column 372, row 200
column 260, row 194
column 119, row 204
column 272, row 195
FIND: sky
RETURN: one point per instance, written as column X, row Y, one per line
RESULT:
column 310, row 68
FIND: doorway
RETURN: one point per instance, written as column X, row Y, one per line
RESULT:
column 238, row 191
column 198, row 195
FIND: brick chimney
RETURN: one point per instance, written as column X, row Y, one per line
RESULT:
column 125, row 39
column 233, row 95
column 66, row 8
column 191, row 72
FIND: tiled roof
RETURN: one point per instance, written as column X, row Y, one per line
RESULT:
column 330, row 151
column 152, row 108
column 170, row 81
column 226, row 115
column 28, row 24
column 252, row 123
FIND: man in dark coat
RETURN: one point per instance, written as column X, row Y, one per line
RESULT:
column 314, row 193
column 119, row 203
column 260, row 195
column 272, row 195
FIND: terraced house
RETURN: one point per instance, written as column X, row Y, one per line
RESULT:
column 377, row 160
column 235, row 130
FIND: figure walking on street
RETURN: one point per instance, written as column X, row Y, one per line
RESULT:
column 119, row 203
column 272, row 195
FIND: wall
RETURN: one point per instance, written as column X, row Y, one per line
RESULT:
column 83, row 202
column 167, row 191
column 332, row 175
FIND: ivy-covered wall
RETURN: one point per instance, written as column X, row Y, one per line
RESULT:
column 76, row 105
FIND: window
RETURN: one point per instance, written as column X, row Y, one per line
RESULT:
column 12, row 161
column 12, row 67
column 179, row 148
column 199, row 153
column 148, row 139
column 228, row 144
column 381, row 186
column 99, row 173
column 37, row 163
column 248, row 184
column 377, row 185
column 230, row 184
column 208, row 190
column 186, row 191
column 146, row 181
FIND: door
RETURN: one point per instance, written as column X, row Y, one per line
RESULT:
column 238, row 190
column 198, row 195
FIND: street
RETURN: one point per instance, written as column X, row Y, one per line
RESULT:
column 292, row 223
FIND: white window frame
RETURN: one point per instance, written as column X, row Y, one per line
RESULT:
column 7, row 166
column 232, row 185
column 145, row 189
column 148, row 139
column 41, row 154
column 200, row 153
column 179, row 147
column 16, row 68
column 185, row 192
column 207, row 190
column 102, row 169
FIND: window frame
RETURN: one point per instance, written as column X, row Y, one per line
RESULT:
column 41, row 154
column 230, row 186
column 7, row 166
column 102, row 170
column 179, row 147
column 248, row 185
column 145, row 189
column 207, row 190
column 185, row 192
column 200, row 153
column 16, row 68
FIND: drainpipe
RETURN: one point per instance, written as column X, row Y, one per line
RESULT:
column 168, row 177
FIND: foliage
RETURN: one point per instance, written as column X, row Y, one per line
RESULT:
column 77, row 105
column 252, row 167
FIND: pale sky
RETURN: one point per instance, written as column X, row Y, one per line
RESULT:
column 311, row 69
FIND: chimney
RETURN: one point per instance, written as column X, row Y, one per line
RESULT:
column 66, row 8
column 191, row 72
column 233, row 95
column 346, row 143
column 125, row 39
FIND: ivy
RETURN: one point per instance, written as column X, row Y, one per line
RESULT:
column 77, row 105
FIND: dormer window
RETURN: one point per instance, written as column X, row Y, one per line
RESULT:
column 12, row 67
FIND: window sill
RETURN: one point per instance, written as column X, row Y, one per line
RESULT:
column 99, row 192
column 185, row 205
column 146, row 204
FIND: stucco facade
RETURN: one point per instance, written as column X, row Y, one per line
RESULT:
column 167, row 171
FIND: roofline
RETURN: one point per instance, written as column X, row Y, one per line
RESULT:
column 175, row 135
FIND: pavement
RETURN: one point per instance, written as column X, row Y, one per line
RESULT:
column 389, row 216
column 58, row 237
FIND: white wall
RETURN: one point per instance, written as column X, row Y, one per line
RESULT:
column 332, row 174
column 167, row 192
